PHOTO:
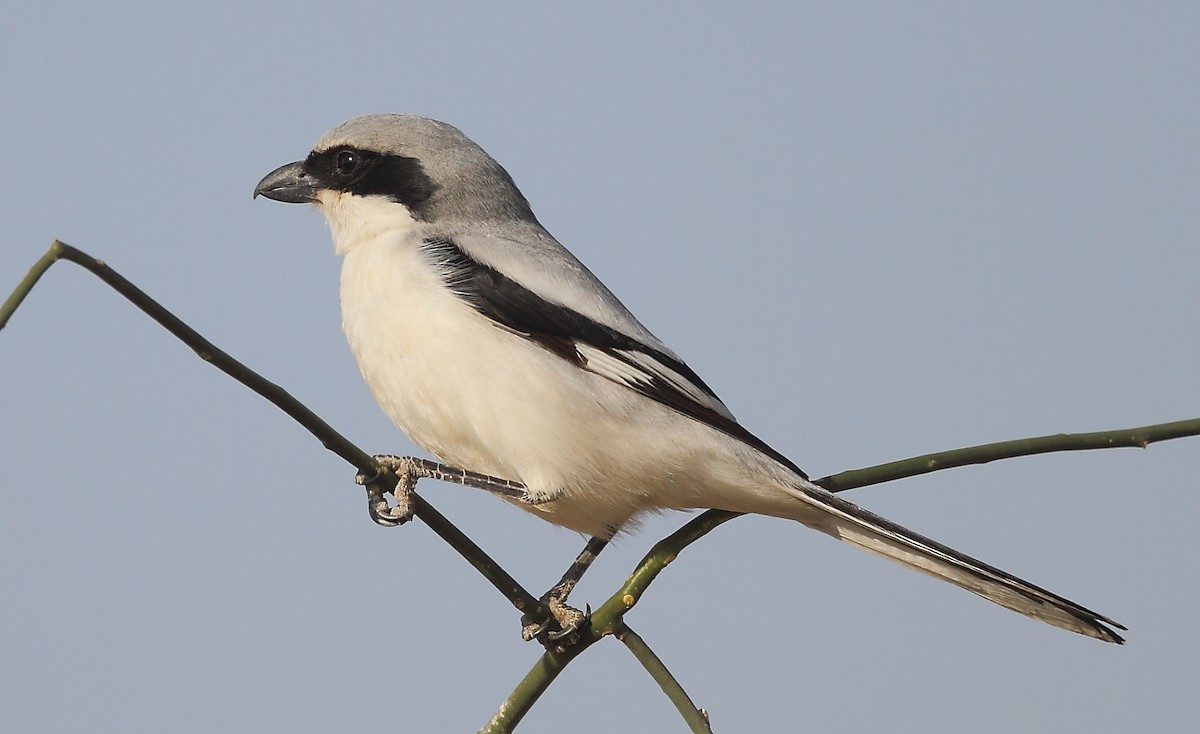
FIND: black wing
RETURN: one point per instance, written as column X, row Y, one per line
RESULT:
column 588, row 344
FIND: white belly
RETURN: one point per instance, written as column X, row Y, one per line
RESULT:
column 482, row 398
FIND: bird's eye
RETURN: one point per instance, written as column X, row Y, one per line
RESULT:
column 346, row 162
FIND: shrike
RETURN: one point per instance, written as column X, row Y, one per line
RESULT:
column 498, row 352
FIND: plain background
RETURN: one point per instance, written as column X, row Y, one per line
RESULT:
column 876, row 229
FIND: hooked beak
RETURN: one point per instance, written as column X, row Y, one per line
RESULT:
column 290, row 184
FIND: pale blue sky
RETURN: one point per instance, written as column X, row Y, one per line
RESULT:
column 875, row 229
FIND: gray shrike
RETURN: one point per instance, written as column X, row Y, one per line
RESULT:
column 498, row 352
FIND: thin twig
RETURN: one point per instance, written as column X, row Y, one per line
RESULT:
column 696, row 719
column 609, row 618
column 1139, row 437
column 27, row 283
column 610, row 615
column 533, row 685
column 329, row 438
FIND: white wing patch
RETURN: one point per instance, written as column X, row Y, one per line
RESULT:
column 644, row 373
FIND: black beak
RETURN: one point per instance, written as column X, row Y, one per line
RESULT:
column 290, row 184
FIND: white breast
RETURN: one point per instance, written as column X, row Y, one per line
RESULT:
column 480, row 397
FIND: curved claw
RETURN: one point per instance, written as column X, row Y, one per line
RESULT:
column 388, row 517
column 381, row 512
column 530, row 632
column 575, row 625
column 556, row 636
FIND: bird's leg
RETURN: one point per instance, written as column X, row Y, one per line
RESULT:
column 571, row 622
column 400, row 478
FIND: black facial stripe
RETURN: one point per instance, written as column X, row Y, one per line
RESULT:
column 396, row 177
column 558, row 328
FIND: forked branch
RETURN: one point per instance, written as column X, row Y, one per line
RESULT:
column 609, row 618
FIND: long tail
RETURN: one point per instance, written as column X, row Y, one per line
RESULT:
column 853, row 524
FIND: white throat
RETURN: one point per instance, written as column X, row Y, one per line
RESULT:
column 356, row 219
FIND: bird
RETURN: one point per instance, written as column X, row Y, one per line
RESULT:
column 497, row 351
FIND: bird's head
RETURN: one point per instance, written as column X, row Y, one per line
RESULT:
column 389, row 171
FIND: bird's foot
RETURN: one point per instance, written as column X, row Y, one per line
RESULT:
column 398, row 478
column 559, row 633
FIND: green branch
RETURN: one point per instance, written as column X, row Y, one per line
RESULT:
column 602, row 624
column 697, row 719
column 28, row 282
column 533, row 685
column 609, row 618
column 1140, row 438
